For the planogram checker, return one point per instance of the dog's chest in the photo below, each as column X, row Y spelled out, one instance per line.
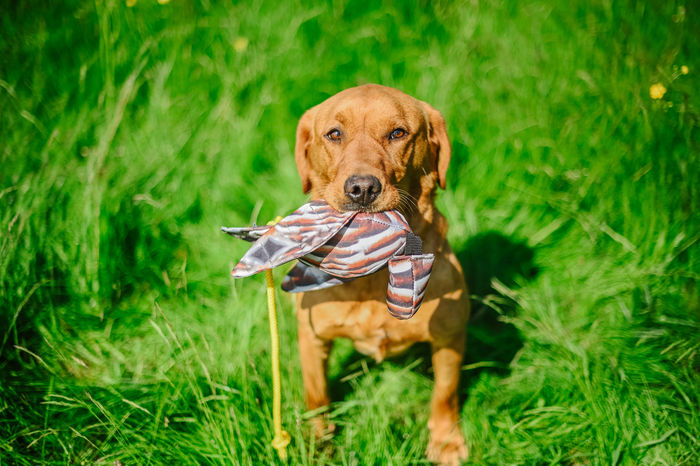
column 368, row 324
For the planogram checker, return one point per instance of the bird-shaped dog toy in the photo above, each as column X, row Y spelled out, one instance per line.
column 336, row 247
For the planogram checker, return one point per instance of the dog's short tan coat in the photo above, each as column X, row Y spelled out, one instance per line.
column 351, row 134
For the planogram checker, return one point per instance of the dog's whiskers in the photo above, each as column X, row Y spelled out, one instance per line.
column 407, row 201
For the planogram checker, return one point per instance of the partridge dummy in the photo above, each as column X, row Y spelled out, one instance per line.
column 336, row 247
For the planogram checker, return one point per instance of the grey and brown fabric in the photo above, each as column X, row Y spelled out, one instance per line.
column 335, row 247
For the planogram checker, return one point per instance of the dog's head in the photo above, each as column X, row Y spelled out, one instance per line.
column 372, row 148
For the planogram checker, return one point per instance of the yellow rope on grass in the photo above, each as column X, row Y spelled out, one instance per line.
column 281, row 439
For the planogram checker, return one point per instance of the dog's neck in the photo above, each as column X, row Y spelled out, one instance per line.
column 427, row 222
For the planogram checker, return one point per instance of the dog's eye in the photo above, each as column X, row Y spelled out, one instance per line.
column 398, row 133
column 334, row 135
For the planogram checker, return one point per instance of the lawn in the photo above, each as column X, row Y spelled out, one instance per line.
column 131, row 131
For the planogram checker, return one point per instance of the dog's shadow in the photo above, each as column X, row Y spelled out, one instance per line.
column 491, row 342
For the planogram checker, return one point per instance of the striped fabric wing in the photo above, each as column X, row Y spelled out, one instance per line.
column 362, row 246
column 300, row 233
column 304, row 277
column 408, row 280
column 249, row 234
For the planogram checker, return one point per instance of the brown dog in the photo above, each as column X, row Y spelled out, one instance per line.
column 374, row 148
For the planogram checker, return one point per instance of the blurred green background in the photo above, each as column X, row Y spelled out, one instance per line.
column 132, row 131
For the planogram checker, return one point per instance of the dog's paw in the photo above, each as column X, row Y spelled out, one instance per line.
column 322, row 429
column 448, row 452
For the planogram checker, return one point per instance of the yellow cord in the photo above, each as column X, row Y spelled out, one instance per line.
column 281, row 439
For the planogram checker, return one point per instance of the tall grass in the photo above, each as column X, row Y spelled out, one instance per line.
column 130, row 134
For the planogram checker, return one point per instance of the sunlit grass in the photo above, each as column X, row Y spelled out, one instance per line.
column 132, row 130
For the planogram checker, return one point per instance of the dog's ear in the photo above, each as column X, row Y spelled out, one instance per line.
column 439, row 142
column 304, row 138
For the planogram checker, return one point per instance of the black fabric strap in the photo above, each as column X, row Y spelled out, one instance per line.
column 414, row 245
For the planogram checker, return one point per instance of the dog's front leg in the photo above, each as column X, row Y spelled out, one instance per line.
column 314, row 353
column 446, row 444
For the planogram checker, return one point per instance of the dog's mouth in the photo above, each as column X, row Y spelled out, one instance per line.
column 387, row 201
column 355, row 207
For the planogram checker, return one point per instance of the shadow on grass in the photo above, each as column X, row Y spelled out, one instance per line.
column 491, row 343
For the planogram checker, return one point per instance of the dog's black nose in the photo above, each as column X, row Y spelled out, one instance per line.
column 362, row 189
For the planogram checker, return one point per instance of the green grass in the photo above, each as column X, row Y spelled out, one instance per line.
column 129, row 135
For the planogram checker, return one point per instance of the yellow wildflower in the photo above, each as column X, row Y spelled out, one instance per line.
column 684, row 69
column 657, row 91
column 163, row 2
column 240, row 44
column 130, row 3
